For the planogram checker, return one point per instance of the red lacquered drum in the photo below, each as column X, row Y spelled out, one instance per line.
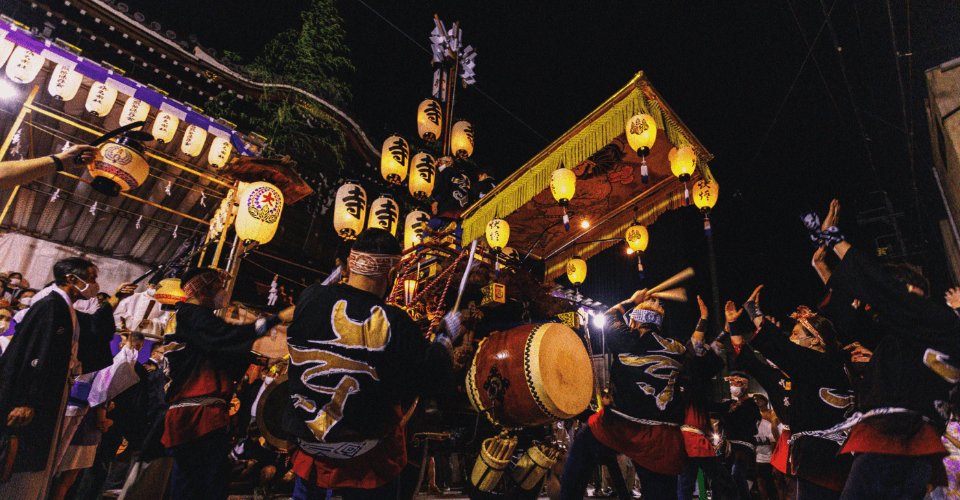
column 536, row 373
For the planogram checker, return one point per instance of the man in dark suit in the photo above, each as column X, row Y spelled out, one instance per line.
column 53, row 345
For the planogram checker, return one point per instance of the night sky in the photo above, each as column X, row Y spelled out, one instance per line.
column 785, row 139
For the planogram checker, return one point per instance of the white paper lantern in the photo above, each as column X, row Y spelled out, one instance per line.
column 64, row 83
column 100, row 99
column 413, row 227
column 24, row 65
column 6, row 48
column 349, row 211
column 384, row 214
column 165, row 127
column 423, row 175
column 193, row 140
column 220, row 150
column 260, row 207
column 134, row 110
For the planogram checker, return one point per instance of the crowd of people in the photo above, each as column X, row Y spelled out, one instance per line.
column 853, row 400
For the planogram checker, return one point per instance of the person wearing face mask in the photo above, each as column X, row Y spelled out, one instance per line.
column 207, row 356
column 140, row 312
column 26, row 298
column 54, row 346
column 740, row 418
column 372, row 358
column 6, row 316
column 822, row 393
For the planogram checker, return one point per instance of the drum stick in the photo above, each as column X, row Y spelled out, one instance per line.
column 466, row 274
column 675, row 295
column 673, row 281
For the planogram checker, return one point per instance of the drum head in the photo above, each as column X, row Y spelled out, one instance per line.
column 270, row 408
column 566, row 376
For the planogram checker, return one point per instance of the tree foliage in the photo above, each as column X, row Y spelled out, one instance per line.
column 311, row 58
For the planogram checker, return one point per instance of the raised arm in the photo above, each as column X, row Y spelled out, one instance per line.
column 15, row 173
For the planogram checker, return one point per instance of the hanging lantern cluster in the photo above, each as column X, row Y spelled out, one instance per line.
column 683, row 161
column 261, row 204
column 350, row 210
column 64, row 83
column 641, row 131
column 393, row 159
column 384, row 214
column 413, row 227
column 563, row 183
column 637, row 239
column 498, row 234
column 576, row 270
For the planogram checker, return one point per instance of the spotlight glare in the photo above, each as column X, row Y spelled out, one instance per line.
column 585, row 224
column 629, row 251
column 599, row 321
column 7, row 90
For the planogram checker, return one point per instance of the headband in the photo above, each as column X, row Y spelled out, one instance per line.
column 202, row 281
column 803, row 316
column 371, row 264
column 646, row 316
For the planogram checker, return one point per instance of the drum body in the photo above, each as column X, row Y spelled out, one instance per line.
column 531, row 375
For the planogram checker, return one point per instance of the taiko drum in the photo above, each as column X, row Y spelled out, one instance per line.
column 531, row 375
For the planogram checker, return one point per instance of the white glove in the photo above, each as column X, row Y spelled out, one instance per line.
column 451, row 329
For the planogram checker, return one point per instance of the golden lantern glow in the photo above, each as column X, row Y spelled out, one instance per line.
column 24, row 65
column 510, row 255
column 170, row 292
column 409, row 291
column 165, row 127
column 193, row 139
column 413, row 227
column 100, row 99
column 563, row 183
column 134, row 110
column 393, row 159
column 261, row 204
column 423, row 173
column 576, row 270
column 64, row 83
column 220, row 150
column 461, row 139
column 637, row 237
column 498, row 234
column 641, row 133
column 682, row 162
column 705, row 194
column 384, row 214
column 6, row 48
column 429, row 120
column 349, row 211
column 120, row 166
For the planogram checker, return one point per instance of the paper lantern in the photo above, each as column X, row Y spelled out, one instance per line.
column 682, row 162
column 170, row 292
column 100, row 99
column 261, row 204
column 576, row 270
column 413, row 227
column 498, row 234
column 64, row 83
column 349, row 211
column 423, row 172
column 393, row 159
column 429, row 120
column 461, row 139
column 409, row 291
column 637, row 237
column 165, row 127
column 510, row 255
column 641, row 133
column 6, row 48
column 193, row 139
column 563, row 183
column 384, row 214
column 24, row 65
column 134, row 110
column 120, row 166
column 705, row 194
column 220, row 150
